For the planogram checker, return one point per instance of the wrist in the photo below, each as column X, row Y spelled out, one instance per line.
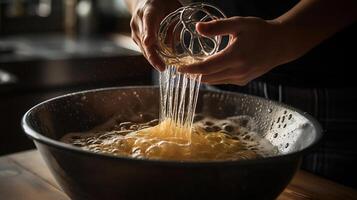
column 281, row 51
column 290, row 40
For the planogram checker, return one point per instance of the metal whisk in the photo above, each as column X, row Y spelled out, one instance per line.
column 179, row 42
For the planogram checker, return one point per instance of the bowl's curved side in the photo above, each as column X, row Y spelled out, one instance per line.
column 91, row 178
column 85, row 175
column 287, row 128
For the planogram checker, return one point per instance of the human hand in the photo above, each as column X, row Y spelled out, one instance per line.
column 256, row 47
column 145, row 21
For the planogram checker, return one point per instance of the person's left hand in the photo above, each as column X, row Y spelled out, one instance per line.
column 256, row 47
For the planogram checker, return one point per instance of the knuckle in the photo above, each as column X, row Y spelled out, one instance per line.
column 237, row 19
column 151, row 57
column 147, row 13
column 133, row 23
column 140, row 12
column 215, row 22
column 147, row 39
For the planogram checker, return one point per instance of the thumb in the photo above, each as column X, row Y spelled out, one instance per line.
column 218, row 27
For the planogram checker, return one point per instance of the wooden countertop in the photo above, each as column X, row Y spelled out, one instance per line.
column 24, row 176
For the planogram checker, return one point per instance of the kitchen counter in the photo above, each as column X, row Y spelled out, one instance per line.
column 55, row 61
column 34, row 68
column 59, row 47
column 24, row 176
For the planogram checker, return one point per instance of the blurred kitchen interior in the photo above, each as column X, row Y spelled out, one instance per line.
column 53, row 47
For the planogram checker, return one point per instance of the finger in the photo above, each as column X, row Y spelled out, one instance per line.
column 230, row 81
column 219, row 27
column 233, row 78
column 149, row 40
column 244, row 79
column 150, row 23
column 138, row 42
column 213, row 64
column 135, row 31
column 221, row 82
column 154, row 57
column 241, row 82
column 222, row 75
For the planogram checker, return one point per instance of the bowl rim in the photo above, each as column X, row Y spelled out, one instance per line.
column 37, row 137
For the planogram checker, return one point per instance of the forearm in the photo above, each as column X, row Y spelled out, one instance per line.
column 131, row 4
column 312, row 21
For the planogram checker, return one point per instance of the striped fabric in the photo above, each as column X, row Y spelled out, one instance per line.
column 336, row 109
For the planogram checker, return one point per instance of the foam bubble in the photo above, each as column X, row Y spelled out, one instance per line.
column 231, row 138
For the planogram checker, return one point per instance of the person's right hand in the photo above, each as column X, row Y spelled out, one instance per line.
column 145, row 21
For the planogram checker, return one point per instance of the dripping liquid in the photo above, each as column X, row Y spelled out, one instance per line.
column 178, row 134
column 178, row 99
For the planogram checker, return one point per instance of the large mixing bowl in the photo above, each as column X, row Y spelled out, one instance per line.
column 87, row 175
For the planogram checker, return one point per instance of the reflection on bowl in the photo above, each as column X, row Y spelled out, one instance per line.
column 87, row 175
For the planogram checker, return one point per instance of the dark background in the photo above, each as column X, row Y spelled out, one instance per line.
column 54, row 47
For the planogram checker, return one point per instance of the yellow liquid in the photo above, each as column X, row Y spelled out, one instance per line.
column 167, row 141
column 176, row 137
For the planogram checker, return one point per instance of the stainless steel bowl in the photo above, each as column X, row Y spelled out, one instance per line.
column 87, row 175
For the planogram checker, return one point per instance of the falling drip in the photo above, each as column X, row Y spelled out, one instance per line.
column 180, row 44
column 178, row 97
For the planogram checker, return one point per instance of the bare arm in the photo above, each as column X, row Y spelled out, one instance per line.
column 312, row 21
column 259, row 45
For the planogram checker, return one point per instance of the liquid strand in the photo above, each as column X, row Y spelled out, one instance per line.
column 178, row 99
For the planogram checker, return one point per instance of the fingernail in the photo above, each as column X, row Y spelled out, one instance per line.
column 200, row 25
